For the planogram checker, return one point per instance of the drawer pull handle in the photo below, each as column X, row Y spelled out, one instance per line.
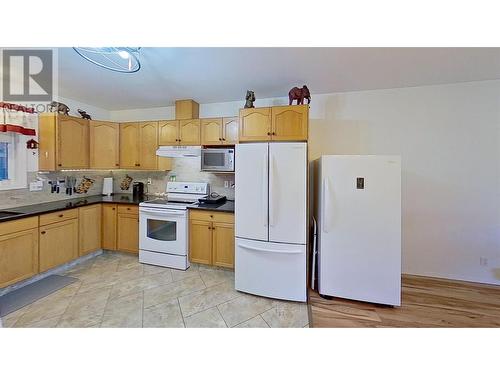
column 61, row 215
column 43, row 232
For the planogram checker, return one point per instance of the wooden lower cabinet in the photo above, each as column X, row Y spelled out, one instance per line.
column 200, row 241
column 18, row 255
column 109, row 222
column 211, row 238
column 223, row 245
column 58, row 243
column 128, row 229
column 90, row 228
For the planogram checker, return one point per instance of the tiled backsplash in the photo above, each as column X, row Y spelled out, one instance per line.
column 184, row 169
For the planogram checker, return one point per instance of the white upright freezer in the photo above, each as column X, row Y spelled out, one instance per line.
column 270, row 218
column 358, row 212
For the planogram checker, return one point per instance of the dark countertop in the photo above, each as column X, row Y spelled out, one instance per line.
column 66, row 204
column 227, row 206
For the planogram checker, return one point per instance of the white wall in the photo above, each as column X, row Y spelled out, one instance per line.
column 449, row 140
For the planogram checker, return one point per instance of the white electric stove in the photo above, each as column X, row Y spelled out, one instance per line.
column 163, row 225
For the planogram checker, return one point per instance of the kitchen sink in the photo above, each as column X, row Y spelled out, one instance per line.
column 8, row 213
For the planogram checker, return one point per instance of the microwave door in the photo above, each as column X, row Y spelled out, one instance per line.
column 213, row 160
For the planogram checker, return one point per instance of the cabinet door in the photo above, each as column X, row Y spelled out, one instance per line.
column 223, row 245
column 189, row 132
column 18, row 256
column 90, row 228
column 104, row 145
column 109, row 226
column 200, row 241
column 211, row 131
column 168, row 133
column 255, row 124
column 58, row 244
column 128, row 233
column 290, row 123
column 72, row 143
column 148, row 144
column 230, row 128
column 129, row 145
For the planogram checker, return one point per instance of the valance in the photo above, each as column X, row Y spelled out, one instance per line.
column 18, row 119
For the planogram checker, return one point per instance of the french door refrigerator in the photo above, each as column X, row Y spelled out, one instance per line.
column 271, row 219
column 358, row 213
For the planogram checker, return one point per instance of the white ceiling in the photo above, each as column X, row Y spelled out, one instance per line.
column 210, row 75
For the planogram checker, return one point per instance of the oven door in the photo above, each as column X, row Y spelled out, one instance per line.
column 163, row 231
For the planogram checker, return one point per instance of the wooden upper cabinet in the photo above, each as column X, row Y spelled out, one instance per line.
column 73, row 142
column 104, row 145
column 64, row 142
column 148, row 144
column 129, row 145
column 211, row 131
column 255, row 124
column 168, row 133
column 290, row 123
column 189, row 132
column 230, row 130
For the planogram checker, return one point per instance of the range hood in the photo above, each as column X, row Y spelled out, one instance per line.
column 178, row 151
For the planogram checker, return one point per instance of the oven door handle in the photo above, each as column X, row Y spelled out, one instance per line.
column 163, row 213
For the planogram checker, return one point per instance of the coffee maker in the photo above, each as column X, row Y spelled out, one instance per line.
column 138, row 190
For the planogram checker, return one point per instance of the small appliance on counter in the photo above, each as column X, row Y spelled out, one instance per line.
column 213, row 198
column 107, row 186
column 138, row 189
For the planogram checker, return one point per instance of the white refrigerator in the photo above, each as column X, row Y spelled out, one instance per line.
column 271, row 219
column 358, row 212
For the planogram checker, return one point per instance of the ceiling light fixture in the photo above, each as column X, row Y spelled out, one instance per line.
column 117, row 59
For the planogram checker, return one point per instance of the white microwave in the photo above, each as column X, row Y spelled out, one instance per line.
column 217, row 159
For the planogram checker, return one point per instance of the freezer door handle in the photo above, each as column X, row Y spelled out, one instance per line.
column 272, row 200
column 326, row 197
column 268, row 250
column 264, row 190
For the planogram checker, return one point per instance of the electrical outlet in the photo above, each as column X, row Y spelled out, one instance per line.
column 226, row 184
column 150, row 181
column 483, row 261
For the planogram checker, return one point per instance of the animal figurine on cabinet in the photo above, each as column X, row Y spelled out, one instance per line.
column 250, row 98
column 84, row 114
column 60, row 107
column 299, row 95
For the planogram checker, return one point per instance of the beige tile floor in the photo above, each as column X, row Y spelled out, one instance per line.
column 115, row 290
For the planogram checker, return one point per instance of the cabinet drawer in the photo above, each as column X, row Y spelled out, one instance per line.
column 18, row 225
column 128, row 209
column 56, row 217
column 219, row 217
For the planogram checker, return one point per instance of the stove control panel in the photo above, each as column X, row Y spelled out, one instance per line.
column 188, row 187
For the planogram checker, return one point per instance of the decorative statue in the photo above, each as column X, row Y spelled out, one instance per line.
column 250, row 99
column 299, row 95
column 61, row 107
column 84, row 114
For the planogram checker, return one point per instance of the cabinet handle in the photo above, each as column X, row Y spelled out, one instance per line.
column 268, row 133
column 59, row 165
column 113, row 208
column 274, row 133
column 223, row 139
column 61, row 215
column 43, row 232
column 117, row 165
column 220, row 139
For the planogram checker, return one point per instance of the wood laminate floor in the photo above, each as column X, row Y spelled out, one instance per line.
column 426, row 302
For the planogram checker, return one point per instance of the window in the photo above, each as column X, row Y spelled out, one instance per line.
column 4, row 161
column 13, row 161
